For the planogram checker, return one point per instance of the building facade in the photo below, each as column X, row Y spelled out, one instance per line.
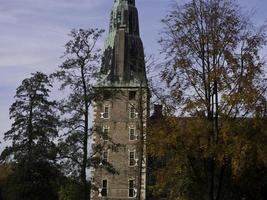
column 121, row 112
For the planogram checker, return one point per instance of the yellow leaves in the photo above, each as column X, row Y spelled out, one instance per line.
column 178, row 138
column 194, row 104
column 185, row 144
column 239, row 158
column 244, row 144
column 160, row 134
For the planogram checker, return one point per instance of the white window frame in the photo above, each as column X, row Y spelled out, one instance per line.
column 105, row 158
column 103, row 113
column 134, row 133
column 134, row 189
column 134, row 158
column 130, row 153
column 105, row 128
column 132, row 114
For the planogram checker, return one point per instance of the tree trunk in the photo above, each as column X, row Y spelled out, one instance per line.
column 85, row 138
column 141, row 142
column 30, row 137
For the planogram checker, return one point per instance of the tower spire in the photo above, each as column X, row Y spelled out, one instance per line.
column 123, row 60
column 124, row 15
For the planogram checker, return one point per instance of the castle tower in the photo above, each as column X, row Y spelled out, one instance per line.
column 120, row 115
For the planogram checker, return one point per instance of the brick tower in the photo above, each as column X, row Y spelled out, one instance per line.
column 120, row 115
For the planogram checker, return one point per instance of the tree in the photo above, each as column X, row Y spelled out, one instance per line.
column 5, row 172
column 78, row 73
column 33, row 131
column 70, row 191
column 215, row 76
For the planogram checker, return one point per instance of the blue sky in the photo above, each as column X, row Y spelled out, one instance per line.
column 33, row 34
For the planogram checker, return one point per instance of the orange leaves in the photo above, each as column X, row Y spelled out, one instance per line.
column 177, row 136
column 186, row 147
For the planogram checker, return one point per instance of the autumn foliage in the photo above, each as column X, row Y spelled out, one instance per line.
column 212, row 145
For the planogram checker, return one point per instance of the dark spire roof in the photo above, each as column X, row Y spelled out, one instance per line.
column 123, row 61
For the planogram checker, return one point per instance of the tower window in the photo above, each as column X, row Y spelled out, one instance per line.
column 132, row 191
column 105, row 158
column 105, row 114
column 132, row 161
column 132, row 134
column 132, row 112
column 104, row 191
column 105, row 133
column 132, row 95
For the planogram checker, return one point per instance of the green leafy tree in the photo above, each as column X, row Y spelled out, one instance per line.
column 32, row 133
column 78, row 73
column 215, row 77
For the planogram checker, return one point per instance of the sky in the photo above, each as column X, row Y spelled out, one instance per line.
column 33, row 34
